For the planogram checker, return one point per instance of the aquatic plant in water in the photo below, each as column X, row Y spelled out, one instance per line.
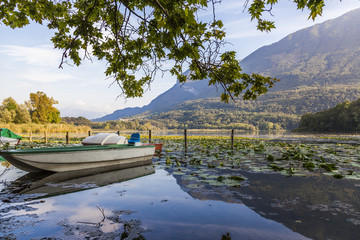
column 208, row 160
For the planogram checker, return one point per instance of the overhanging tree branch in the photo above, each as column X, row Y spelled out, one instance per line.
column 136, row 37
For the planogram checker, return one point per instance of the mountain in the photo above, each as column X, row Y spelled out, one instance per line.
column 78, row 112
column 272, row 111
column 326, row 55
column 179, row 93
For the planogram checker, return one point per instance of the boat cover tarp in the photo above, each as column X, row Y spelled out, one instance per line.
column 4, row 132
column 104, row 139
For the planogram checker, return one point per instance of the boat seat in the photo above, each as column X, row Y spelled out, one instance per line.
column 135, row 138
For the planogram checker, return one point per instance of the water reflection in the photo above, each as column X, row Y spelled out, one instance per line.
column 46, row 184
column 320, row 207
column 162, row 206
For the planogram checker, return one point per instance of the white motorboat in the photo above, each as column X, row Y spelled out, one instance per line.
column 7, row 137
column 61, row 159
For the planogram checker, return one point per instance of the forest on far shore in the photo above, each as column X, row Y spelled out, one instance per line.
column 344, row 117
column 273, row 112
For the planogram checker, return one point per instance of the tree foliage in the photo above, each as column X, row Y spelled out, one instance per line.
column 134, row 124
column 344, row 117
column 11, row 112
column 77, row 121
column 136, row 37
column 41, row 108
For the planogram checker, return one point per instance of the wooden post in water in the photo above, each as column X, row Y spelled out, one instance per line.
column 185, row 138
column 45, row 135
column 67, row 137
column 89, row 133
column 232, row 139
column 149, row 136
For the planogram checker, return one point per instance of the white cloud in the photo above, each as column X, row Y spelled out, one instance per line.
column 43, row 76
column 43, row 55
column 22, row 84
column 80, row 103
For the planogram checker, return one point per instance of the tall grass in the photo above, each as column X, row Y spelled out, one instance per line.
column 26, row 129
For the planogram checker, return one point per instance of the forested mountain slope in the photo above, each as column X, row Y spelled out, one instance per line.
column 275, row 110
column 344, row 117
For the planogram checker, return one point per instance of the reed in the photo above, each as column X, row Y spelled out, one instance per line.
column 33, row 128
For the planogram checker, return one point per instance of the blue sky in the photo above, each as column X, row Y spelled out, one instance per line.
column 29, row 63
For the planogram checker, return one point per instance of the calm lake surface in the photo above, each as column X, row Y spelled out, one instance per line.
column 164, row 202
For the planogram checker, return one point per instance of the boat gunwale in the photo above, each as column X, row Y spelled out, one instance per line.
column 72, row 149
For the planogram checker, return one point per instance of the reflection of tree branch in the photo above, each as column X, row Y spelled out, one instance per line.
column 99, row 223
column 3, row 173
column 102, row 212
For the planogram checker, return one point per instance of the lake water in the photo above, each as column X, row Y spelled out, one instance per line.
column 196, row 194
column 159, row 206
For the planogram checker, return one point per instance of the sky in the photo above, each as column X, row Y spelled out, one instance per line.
column 29, row 62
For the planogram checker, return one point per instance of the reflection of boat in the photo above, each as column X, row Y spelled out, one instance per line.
column 158, row 146
column 51, row 184
column 60, row 159
column 8, row 137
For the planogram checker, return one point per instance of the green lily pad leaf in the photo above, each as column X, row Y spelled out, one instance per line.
column 213, row 182
column 190, row 178
column 353, row 177
column 194, row 185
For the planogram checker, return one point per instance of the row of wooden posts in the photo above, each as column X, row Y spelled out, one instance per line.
column 67, row 138
column 118, row 132
column 186, row 142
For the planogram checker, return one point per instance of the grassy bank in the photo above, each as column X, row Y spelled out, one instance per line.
column 25, row 129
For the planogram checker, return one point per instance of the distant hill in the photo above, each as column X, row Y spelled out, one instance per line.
column 318, row 63
column 272, row 111
column 179, row 93
column 344, row 117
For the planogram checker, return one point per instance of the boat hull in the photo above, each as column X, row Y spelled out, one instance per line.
column 10, row 141
column 79, row 158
